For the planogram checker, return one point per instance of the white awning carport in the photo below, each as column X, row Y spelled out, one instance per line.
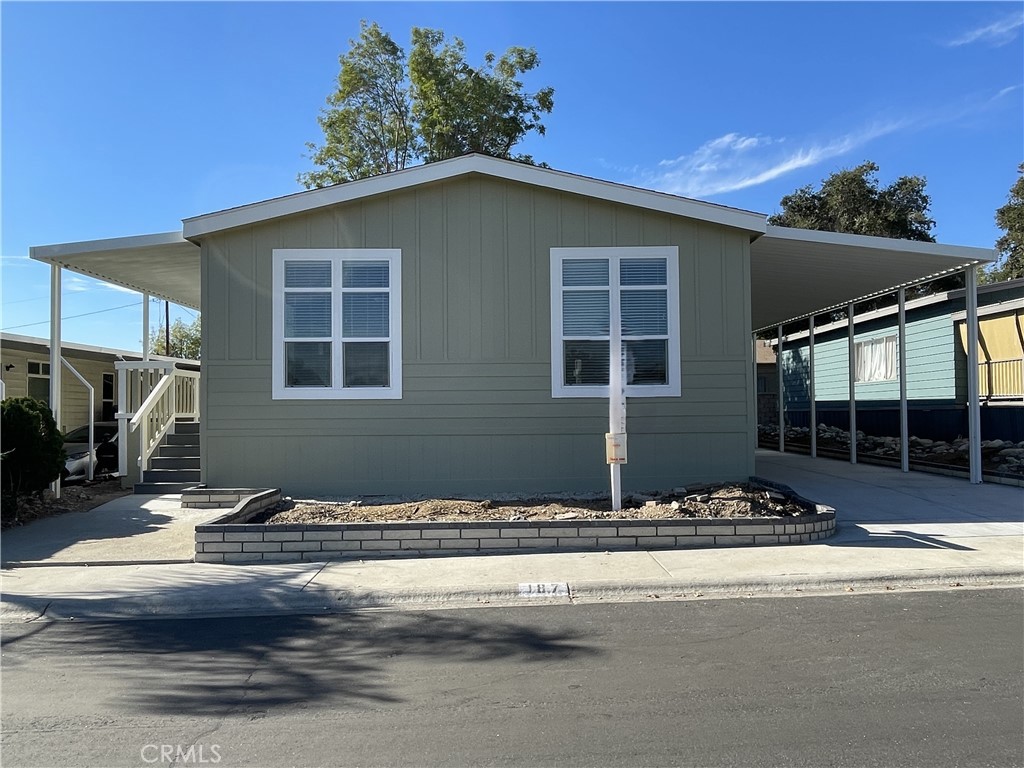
column 164, row 265
column 798, row 272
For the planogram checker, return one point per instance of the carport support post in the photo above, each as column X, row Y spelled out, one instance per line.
column 782, row 400
column 904, row 428
column 145, row 326
column 55, row 364
column 810, row 388
column 852, row 361
column 973, row 399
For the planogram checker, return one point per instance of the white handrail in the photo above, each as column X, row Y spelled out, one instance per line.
column 92, row 418
column 176, row 395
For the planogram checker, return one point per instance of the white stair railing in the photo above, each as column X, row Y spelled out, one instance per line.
column 151, row 397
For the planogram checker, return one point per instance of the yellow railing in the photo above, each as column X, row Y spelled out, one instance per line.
column 1001, row 378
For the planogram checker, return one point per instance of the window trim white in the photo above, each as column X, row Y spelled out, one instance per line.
column 337, row 391
column 43, row 376
column 614, row 254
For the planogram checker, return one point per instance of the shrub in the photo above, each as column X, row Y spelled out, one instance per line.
column 31, row 451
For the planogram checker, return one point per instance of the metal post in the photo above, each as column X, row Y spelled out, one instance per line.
column 973, row 399
column 852, row 361
column 55, row 344
column 145, row 326
column 810, row 389
column 904, row 428
column 782, row 387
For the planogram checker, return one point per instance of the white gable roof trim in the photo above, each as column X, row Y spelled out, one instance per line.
column 301, row 202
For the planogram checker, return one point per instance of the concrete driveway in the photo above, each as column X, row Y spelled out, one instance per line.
column 131, row 529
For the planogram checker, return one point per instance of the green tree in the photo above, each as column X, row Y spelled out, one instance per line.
column 1010, row 219
column 185, row 340
column 31, row 451
column 462, row 109
column 852, row 201
column 367, row 124
column 391, row 111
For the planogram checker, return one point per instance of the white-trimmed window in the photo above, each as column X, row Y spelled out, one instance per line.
column 337, row 323
column 636, row 288
column 875, row 360
column 39, row 380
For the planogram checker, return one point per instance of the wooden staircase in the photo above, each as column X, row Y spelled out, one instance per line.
column 175, row 465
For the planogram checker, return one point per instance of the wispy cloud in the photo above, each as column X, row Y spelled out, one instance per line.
column 998, row 33
column 79, row 284
column 734, row 161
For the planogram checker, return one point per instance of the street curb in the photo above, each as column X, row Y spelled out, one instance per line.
column 315, row 601
column 12, row 564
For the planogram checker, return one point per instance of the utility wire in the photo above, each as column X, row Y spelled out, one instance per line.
column 72, row 317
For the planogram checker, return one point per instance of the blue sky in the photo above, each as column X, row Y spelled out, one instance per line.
column 123, row 118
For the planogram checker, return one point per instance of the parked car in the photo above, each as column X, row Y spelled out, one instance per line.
column 76, row 445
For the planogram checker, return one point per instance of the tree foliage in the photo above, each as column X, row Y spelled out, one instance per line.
column 391, row 111
column 32, row 450
column 1010, row 219
column 185, row 340
column 852, row 201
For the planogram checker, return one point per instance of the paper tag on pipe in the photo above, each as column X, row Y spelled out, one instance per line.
column 615, row 447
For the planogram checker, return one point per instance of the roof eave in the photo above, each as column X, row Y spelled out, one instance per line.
column 301, row 202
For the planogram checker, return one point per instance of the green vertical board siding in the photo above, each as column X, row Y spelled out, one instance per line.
column 476, row 413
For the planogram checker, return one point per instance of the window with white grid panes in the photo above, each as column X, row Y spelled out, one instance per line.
column 337, row 324
column 640, row 287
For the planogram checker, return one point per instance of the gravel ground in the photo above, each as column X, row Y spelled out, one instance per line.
column 711, row 501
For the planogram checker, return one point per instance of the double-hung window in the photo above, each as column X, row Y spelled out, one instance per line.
column 594, row 289
column 337, row 323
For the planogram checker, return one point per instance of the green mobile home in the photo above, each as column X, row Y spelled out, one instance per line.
column 452, row 336
column 447, row 329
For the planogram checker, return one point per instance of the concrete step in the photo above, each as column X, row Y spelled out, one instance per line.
column 171, row 476
column 175, row 462
column 161, row 488
column 183, row 451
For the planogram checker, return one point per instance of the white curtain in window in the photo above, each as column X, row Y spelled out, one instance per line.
column 876, row 360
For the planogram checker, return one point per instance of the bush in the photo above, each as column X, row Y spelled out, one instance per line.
column 31, row 451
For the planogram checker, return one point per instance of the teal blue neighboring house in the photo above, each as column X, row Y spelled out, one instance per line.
column 936, row 367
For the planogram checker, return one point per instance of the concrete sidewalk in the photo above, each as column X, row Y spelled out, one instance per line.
column 896, row 531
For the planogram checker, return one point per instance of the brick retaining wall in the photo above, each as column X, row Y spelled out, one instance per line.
column 227, row 542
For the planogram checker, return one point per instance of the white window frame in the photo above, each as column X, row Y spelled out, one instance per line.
column 614, row 255
column 858, row 352
column 43, row 365
column 338, row 391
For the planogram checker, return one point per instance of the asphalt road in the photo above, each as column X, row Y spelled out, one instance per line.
column 898, row 679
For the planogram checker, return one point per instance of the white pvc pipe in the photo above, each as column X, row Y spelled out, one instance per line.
column 973, row 394
column 616, row 387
